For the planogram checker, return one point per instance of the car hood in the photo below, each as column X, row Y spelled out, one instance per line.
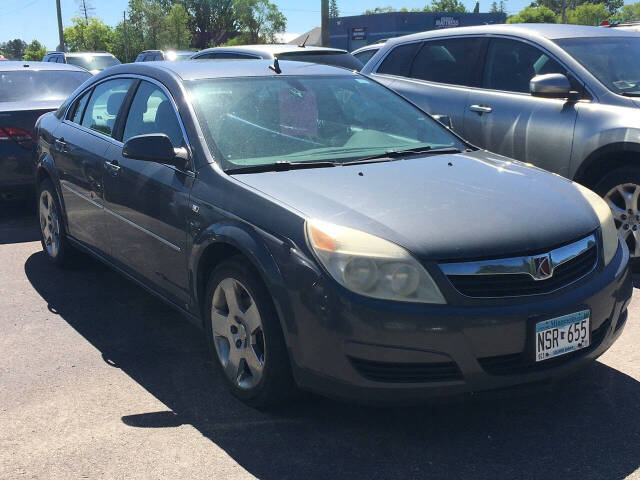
column 441, row 207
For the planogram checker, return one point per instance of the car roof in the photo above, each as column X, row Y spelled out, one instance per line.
column 37, row 66
column 191, row 70
column 551, row 31
column 82, row 54
column 270, row 50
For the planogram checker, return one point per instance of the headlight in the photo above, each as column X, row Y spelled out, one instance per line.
column 371, row 266
column 609, row 233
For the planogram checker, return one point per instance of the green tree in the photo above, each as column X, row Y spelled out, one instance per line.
column 35, row 51
column 388, row 9
column 177, row 33
column 211, row 21
column 14, row 49
column 628, row 13
column 260, row 20
column 93, row 35
column 534, row 15
column 333, row 9
column 556, row 5
column 588, row 14
column 449, row 6
column 498, row 7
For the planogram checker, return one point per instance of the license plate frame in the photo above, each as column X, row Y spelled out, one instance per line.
column 561, row 324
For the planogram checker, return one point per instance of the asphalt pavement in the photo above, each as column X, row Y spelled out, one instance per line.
column 98, row 379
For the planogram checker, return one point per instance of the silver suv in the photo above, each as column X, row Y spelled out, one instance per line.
column 564, row 98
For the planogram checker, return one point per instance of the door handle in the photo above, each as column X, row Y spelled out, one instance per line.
column 481, row 109
column 61, row 145
column 113, row 167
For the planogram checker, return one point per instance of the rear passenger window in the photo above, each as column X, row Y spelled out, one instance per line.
column 453, row 61
column 152, row 112
column 511, row 64
column 399, row 60
column 78, row 108
column 104, row 105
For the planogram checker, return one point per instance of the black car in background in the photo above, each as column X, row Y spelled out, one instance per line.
column 28, row 90
column 326, row 233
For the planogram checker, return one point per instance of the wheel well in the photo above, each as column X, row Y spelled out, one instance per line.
column 42, row 175
column 211, row 257
column 599, row 165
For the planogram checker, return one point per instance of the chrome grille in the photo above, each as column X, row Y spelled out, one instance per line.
column 513, row 277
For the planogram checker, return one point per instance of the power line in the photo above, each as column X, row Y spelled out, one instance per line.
column 21, row 7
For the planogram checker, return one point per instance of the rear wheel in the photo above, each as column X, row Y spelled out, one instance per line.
column 52, row 232
column 245, row 337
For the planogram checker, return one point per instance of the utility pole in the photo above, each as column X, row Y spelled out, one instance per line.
column 124, row 28
column 325, row 23
column 61, row 47
column 564, row 11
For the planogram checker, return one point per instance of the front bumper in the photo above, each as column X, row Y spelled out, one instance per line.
column 347, row 346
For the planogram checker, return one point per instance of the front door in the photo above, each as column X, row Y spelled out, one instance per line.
column 504, row 118
column 147, row 203
column 81, row 142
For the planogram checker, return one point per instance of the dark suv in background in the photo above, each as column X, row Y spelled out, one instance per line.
column 562, row 97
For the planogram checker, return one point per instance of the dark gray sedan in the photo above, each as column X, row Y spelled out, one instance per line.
column 28, row 90
column 326, row 233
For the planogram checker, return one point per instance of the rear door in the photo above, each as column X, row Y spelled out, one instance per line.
column 147, row 203
column 504, row 118
column 81, row 143
column 436, row 74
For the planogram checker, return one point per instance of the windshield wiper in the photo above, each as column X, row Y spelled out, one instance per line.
column 630, row 94
column 279, row 167
column 394, row 154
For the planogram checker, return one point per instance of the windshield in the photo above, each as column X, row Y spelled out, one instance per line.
column 91, row 62
column 615, row 61
column 264, row 120
column 38, row 86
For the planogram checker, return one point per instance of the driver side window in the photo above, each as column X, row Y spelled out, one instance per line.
column 511, row 65
column 152, row 112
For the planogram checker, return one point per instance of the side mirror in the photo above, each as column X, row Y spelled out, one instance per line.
column 552, row 85
column 155, row 147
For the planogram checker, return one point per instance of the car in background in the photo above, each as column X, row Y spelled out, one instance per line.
column 160, row 55
column 94, row 62
column 365, row 53
column 322, row 55
column 563, row 97
column 625, row 26
column 27, row 91
column 325, row 232
column 3, row 59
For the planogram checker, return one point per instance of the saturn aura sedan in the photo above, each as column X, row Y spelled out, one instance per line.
column 327, row 234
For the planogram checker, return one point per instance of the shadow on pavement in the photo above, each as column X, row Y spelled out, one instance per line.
column 588, row 427
column 18, row 222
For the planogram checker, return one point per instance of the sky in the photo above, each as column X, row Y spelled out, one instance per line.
column 36, row 19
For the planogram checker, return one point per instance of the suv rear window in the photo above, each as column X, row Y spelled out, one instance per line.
column 337, row 59
column 399, row 60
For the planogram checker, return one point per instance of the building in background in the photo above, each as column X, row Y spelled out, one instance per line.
column 357, row 31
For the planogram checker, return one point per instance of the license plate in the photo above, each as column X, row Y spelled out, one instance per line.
column 562, row 335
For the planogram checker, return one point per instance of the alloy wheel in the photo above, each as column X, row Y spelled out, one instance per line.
column 49, row 223
column 238, row 333
column 623, row 201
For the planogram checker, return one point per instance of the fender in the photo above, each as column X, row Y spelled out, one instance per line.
column 256, row 245
column 46, row 167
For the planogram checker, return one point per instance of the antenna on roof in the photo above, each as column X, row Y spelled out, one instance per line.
column 276, row 66
column 304, row 44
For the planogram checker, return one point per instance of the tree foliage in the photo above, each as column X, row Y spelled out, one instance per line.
column 588, row 14
column 628, row 13
column 258, row 20
column 14, row 49
column 556, row 5
column 93, row 35
column 534, row 15
column 177, row 33
column 334, row 12
column 35, row 51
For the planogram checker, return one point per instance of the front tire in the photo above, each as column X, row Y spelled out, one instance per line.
column 245, row 337
column 52, row 232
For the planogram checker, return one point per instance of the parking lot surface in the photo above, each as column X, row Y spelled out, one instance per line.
column 98, row 379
